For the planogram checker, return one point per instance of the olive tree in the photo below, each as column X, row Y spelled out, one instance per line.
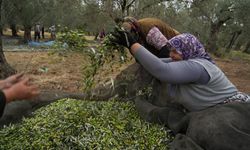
column 5, row 69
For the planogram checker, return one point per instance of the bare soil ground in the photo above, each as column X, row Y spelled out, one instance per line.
column 49, row 71
column 58, row 71
column 65, row 72
column 238, row 71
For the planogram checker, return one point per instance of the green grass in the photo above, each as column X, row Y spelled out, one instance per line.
column 238, row 55
column 72, row 124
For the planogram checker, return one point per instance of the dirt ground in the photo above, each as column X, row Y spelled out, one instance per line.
column 238, row 71
column 58, row 71
column 49, row 71
column 65, row 72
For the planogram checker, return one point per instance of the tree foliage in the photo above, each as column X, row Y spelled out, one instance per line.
column 218, row 23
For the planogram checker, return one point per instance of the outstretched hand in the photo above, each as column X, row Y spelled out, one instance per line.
column 21, row 89
column 8, row 82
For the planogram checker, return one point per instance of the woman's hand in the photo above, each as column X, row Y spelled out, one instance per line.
column 22, row 89
column 8, row 82
column 123, row 38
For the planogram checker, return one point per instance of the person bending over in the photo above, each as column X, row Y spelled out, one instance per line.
column 140, row 30
column 212, row 104
column 134, row 77
column 194, row 79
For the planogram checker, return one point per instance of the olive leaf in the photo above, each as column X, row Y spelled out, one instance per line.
column 74, row 124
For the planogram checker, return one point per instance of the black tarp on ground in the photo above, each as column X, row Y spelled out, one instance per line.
column 222, row 127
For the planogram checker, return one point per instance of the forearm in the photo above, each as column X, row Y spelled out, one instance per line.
column 152, row 64
column 179, row 72
column 166, row 60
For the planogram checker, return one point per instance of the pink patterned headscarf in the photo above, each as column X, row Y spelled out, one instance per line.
column 156, row 38
column 189, row 46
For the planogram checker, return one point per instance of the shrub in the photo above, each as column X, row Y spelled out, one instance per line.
column 72, row 124
column 238, row 55
column 72, row 39
column 106, row 52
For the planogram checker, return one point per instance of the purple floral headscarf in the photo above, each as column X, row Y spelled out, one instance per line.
column 189, row 46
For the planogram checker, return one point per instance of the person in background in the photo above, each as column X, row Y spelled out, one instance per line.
column 53, row 32
column 102, row 34
column 37, row 31
column 16, row 87
column 43, row 32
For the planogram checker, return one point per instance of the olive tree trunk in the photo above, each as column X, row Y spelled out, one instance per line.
column 27, row 33
column 5, row 69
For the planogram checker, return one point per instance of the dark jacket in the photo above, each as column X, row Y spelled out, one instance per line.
column 2, row 102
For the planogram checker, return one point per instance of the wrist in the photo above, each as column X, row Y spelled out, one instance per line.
column 9, row 95
column 3, row 99
column 134, row 47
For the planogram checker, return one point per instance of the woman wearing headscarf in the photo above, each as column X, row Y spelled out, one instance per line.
column 134, row 77
column 140, row 29
column 215, row 112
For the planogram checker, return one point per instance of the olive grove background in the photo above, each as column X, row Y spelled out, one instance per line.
column 219, row 23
